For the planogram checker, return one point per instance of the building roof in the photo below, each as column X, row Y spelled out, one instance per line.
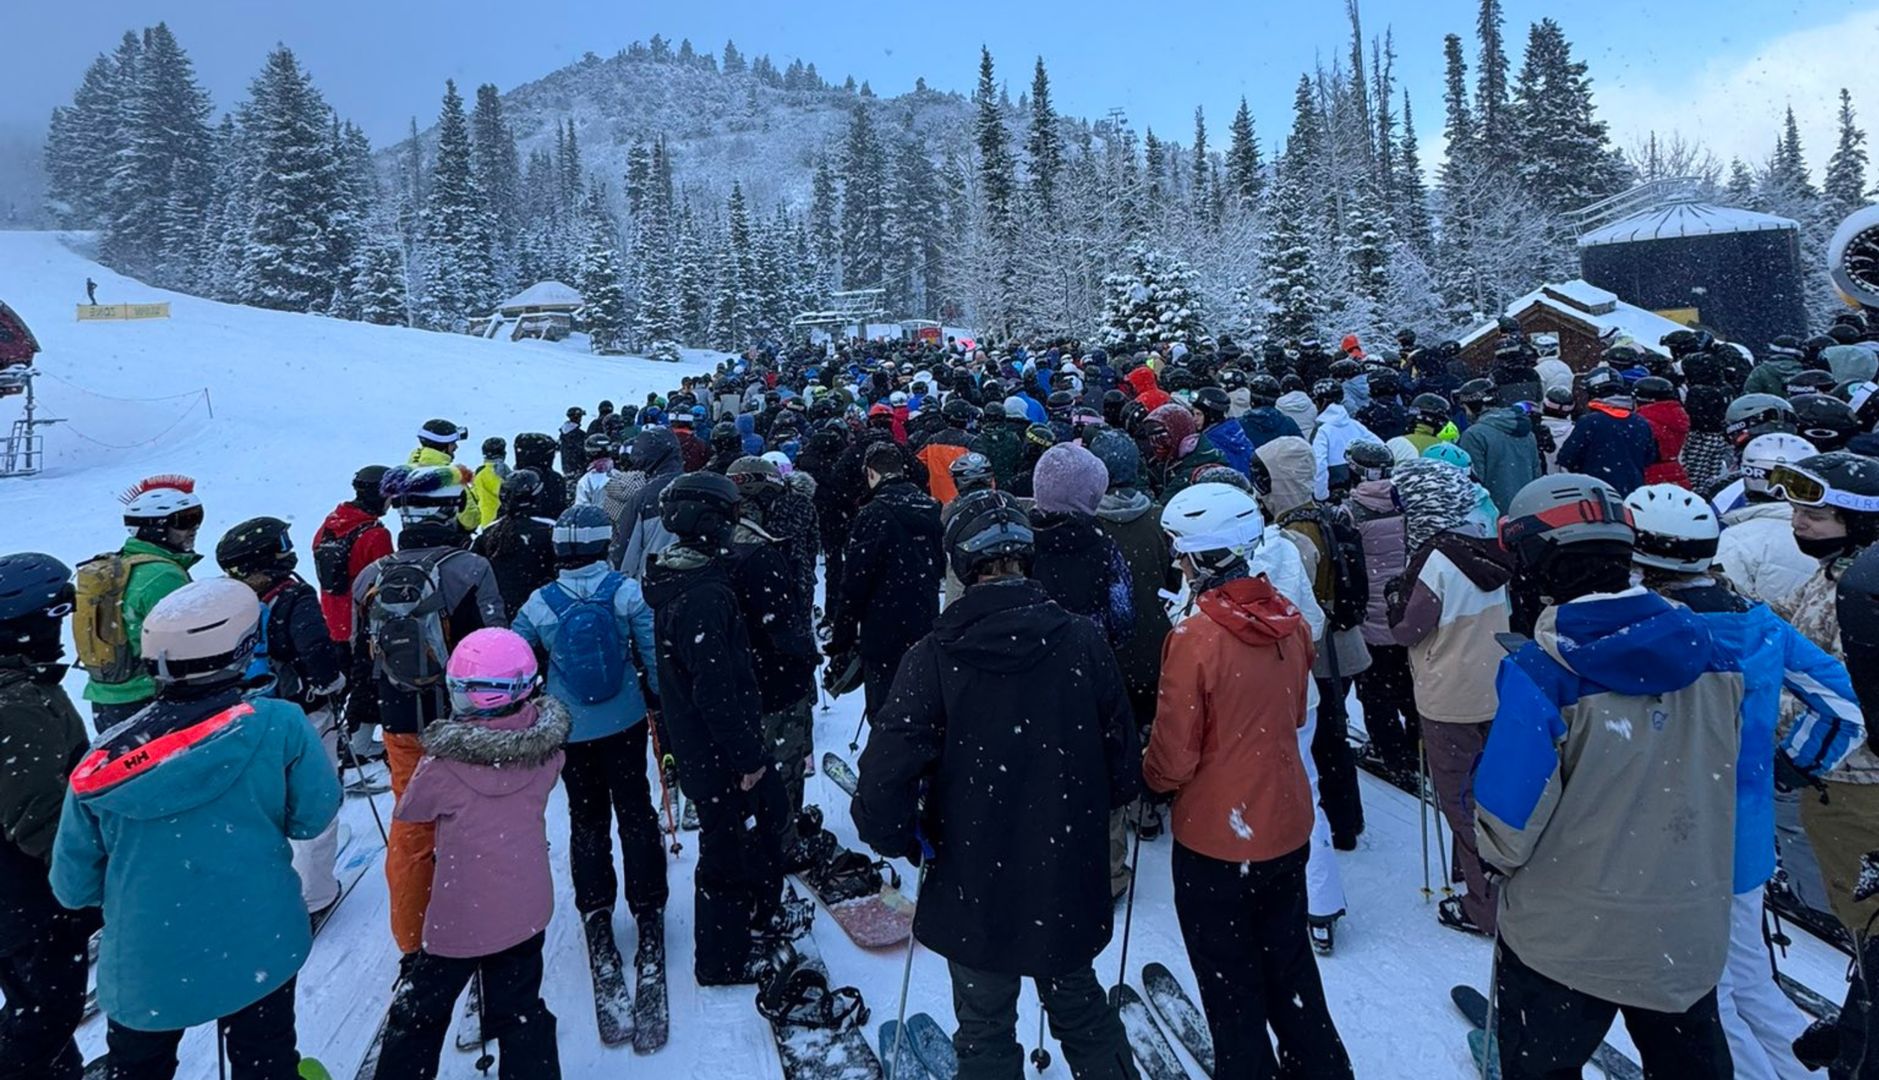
column 544, row 294
column 1684, row 219
column 1599, row 310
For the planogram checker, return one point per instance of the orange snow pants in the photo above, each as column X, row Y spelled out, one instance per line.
column 409, row 858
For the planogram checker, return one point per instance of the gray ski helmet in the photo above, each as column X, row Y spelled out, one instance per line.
column 1369, row 461
column 1566, row 510
column 1558, row 401
column 1757, row 414
column 985, row 526
column 582, row 533
column 1603, row 382
column 756, row 479
column 1476, row 393
column 971, row 472
column 597, row 446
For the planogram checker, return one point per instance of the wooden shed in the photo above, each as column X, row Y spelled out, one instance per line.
column 1586, row 319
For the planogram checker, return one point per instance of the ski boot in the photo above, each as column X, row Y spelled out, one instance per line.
column 1148, row 826
column 1450, row 913
column 1323, row 931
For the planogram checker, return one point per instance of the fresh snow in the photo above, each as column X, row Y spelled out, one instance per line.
column 1641, row 327
column 301, row 401
column 1685, row 219
column 542, row 294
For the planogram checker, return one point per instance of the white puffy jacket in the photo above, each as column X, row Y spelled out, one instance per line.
column 1757, row 553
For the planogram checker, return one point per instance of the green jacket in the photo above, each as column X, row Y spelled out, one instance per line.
column 149, row 582
column 1003, row 447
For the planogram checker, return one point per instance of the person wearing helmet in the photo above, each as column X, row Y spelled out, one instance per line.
column 1782, row 360
column 1037, row 439
column 693, row 451
column 890, row 572
column 350, row 539
column 777, row 603
column 206, row 785
column 1036, row 689
column 301, row 664
column 487, row 484
column 1239, row 669
column 1677, row 541
column 1610, row 441
column 596, row 486
column 600, row 418
column 711, row 721
column 487, row 773
column 1383, row 413
column 1431, row 423
column 657, row 460
column 952, row 441
column 1825, row 421
column 1080, row 568
column 535, row 450
column 1660, row 407
column 608, row 693
column 1556, row 418
column 1263, row 422
column 1621, row 710
column 409, row 609
column 1500, row 440
column 42, row 943
column 163, row 515
column 519, row 544
column 1222, row 431
column 571, row 437
column 727, row 445
column 437, row 446
column 1757, row 553
column 1175, row 448
column 1000, row 440
column 1385, row 688
column 1448, row 610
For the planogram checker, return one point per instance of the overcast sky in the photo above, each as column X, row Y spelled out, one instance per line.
column 1721, row 71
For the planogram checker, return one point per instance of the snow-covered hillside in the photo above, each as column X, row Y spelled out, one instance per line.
column 299, row 402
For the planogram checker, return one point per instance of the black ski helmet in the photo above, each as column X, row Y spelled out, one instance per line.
column 1264, row 389
column 1370, row 461
column 36, row 594
column 1326, row 392
column 1432, row 408
column 1213, row 403
column 1654, row 388
column 495, row 447
column 597, row 446
column 365, row 489
column 520, row 491
column 700, row 508
column 535, row 448
column 959, row 412
column 1825, row 421
column 1476, row 393
column 258, row 545
column 441, row 434
column 1604, row 382
column 985, row 526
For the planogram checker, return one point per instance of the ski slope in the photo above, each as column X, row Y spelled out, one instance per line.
column 299, row 402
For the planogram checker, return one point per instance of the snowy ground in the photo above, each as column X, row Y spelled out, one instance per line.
column 300, row 402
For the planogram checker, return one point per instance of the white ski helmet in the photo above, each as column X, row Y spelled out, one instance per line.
column 1212, row 519
column 168, row 501
column 1764, row 452
column 203, row 632
column 1677, row 529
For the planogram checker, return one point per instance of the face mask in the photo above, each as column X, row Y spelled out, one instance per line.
column 1822, row 547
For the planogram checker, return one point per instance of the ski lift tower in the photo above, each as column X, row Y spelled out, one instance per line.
column 856, row 307
column 24, row 451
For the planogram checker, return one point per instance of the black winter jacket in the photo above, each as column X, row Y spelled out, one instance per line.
column 711, row 709
column 521, row 550
column 1012, row 712
column 776, row 618
column 891, row 573
column 44, row 740
column 1084, row 571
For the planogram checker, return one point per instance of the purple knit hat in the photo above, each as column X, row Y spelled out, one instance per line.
column 1069, row 480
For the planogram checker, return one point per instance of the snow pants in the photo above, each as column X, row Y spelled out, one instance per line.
column 1244, row 925
column 1796, row 851
column 410, row 857
column 1454, row 750
column 1388, row 695
column 790, row 734
column 1337, row 765
column 313, row 859
column 260, row 1041
column 1548, row 1031
column 607, row 785
column 1324, row 884
column 514, row 1016
column 740, row 871
column 1758, row 1018
column 44, row 987
column 1081, row 1019
column 1843, row 826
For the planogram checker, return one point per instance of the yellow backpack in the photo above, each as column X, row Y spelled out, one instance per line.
column 105, row 650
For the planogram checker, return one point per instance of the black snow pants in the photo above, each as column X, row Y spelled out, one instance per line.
column 260, row 1041
column 607, row 783
column 514, row 1016
column 44, row 986
column 740, row 873
column 1081, row 1018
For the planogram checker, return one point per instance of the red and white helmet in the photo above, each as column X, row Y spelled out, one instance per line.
column 490, row 673
column 168, row 500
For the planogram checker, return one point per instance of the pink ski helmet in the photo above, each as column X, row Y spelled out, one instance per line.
column 490, row 673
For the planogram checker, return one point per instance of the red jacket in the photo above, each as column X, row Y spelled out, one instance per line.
column 372, row 543
column 1671, row 424
column 1225, row 740
column 1148, row 391
column 692, row 449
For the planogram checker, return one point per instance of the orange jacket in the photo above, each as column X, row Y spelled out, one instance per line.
column 1225, row 740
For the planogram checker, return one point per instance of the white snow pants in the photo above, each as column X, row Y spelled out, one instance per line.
column 314, row 859
column 1758, row 1018
column 1324, row 886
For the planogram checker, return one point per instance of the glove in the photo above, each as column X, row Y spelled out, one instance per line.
column 1788, row 775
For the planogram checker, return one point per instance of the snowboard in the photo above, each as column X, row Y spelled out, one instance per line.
column 932, row 1046
column 1814, row 1004
column 651, row 1015
column 819, row 1054
column 1487, row 1056
column 1156, row 1058
column 368, row 1065
column 1368, row 761
column 1608, row 1059
column 613, row 1008
column 881, row 921
column 1783, row 904
column 842, row 773
column 907, row 1067
column 351, row 865
column 470, row 1016
column 1178, row 1015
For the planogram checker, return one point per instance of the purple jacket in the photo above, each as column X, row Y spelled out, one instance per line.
column 1379, row 521
column 485, row 782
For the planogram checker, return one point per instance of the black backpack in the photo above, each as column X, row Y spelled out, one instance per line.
column 407, row 622
column 332, row 560
column 1341, row 543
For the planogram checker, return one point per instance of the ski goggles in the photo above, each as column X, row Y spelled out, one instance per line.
column 1585, row 519
column 1803, row 488
column 488, row 696
column 189, row 517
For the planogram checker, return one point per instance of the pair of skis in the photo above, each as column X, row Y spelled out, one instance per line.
column 641, row 1018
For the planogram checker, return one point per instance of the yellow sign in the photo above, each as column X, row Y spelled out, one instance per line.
column 1688, row 316
column 122, row 312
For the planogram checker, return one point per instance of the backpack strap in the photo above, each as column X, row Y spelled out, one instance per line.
column 609, row 587
column 557, row 598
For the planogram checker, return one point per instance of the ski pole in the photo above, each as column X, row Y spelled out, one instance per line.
column 1040, row 1057
column 854, row 744
column 221, row 1050
column 371, row 801
column 1128, row 915
column 906, row 970
column 484, row 1058
column 1422, row 801
column 1443, row 850
column 1493, row 1043
column 665, row 787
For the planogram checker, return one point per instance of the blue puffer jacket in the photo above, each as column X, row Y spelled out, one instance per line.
column 1229, row 437
column 178, row 827
column 1264, row 424
column 538, row 624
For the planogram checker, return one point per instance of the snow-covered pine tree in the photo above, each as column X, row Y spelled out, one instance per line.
column 459, row 280
column 1246, row 173
column 161, row 177
column 1741, row 186
column 224, row 242
column 379, row 282
column 1200, row 199
column 1294, row 295
column 733, row 63
column 1845, row 185
column 691, row 282
column 1043, row 146
column 81, row 146
column 863, row 220
column 498, row 172
column 1787, row 190
column 656, row 317
column 1492, row 109
column 825, row 238
column 1154, row 180
column 997, row 178
column 1152, row 301
column 287, row 263
column 604, row 313
column 1412, row 196
column 355, row 199
column 1561, row 151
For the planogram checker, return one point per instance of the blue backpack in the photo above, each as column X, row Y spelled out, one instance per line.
column 588, row 651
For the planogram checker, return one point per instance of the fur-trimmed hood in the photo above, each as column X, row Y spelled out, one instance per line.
column 801, row 483
column 525, row 739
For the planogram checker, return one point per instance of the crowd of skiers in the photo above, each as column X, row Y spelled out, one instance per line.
column 1604, row 620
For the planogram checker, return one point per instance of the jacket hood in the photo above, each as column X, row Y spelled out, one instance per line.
column 1615, row 409
column 181, row 767
column 676, row 571
column 1376, row 496
column 1297, row 405
column 1003, row 626
column 583, row 580
column 508, row 747
column 1634, row 642
column 347, row 517
column 1773, row 510
column 184, row 559
column 914, row 509
column 1251, row 610
column 1124, row 505
column 656, row 452
column 1142, row 379
column 1486, row 564
column 1509, row 422
column 1288, row 460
